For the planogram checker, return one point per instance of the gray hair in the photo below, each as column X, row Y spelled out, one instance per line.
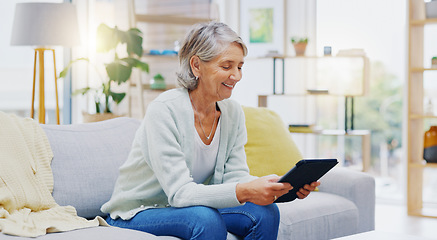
column 207, row 41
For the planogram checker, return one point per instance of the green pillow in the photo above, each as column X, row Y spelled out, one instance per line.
column 270, row 148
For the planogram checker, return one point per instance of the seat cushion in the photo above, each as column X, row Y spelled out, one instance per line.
column 270, row 148
column 319, row 216
column 107, row 233
column 86, row 161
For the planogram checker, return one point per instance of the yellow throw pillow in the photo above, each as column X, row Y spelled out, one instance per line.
column 270, row 148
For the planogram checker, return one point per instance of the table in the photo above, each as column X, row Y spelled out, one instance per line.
column 365, row 141
column 378, row 235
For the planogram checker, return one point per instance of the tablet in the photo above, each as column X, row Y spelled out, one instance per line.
column 306, row 171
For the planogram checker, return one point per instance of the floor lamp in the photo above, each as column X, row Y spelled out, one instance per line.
column 43, row 25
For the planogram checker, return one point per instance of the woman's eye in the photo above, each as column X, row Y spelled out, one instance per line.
column 226, row 67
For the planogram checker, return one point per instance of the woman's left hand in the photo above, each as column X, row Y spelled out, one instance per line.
column 305, row 191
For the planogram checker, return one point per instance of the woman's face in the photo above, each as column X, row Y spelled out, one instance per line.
column 219, row 76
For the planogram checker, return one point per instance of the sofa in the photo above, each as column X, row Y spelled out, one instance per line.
column 85, row 167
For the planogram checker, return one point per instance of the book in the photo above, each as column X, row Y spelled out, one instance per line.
column 303, row 128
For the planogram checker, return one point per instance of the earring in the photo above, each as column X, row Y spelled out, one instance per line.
column 197, row 78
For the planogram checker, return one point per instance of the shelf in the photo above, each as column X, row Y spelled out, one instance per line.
column 421, row 22
column 169, row 19
column 415, row 95
column 334, row 132
column 423, row 165
column 146, row 86
column 418, row 116
column 423, row 69
column 414, row 133
column 307, row 57
column 365, row 140
column 163, row 56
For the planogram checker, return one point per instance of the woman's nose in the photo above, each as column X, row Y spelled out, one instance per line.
column 236, row 75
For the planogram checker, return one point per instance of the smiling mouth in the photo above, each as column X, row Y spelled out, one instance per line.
column 227, row 85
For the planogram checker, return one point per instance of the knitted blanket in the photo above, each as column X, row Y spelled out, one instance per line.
column 27, row 207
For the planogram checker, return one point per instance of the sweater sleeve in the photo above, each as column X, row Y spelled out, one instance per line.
column 164, row 141
column 236, row 168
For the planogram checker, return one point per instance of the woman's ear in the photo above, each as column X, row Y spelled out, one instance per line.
column 195, row 65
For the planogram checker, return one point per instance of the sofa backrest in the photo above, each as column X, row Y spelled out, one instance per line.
column 86, row 161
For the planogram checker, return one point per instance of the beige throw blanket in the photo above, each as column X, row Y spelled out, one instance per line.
column 27, row 207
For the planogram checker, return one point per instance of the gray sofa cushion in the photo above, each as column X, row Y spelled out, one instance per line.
column 95, row 233
column 319, row 216
column 84, row 171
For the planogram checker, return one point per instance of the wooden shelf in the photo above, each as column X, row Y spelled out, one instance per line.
column 415, row 131
column 423, row 165
column 307, row 57
column 365, row 141
column 169, row 19
column 422, row 22
column 418, row 116
column 423, row 69
column 163, row 56
column 146, row 86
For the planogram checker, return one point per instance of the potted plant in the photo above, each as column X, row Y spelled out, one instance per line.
column 157, row 82
column 300, row 45
column 117, row 71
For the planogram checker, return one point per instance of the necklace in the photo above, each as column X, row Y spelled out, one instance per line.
column 200, row 122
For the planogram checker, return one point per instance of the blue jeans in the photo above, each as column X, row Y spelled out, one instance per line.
column 250, row 221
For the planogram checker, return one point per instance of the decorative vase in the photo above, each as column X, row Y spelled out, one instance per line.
column 97, row 117
column 430, row 145
column 300, row 48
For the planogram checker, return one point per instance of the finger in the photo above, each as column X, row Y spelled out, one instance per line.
column 304, row 191
column 280, row 193
column 272, row 178
column 281, row 186
column 300, row 195
column 315, row 184
column 309, row 187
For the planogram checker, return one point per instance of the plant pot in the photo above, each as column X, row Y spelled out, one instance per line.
column 430, row 145
column 300, row 48
column 97, row 117
column 157, row 84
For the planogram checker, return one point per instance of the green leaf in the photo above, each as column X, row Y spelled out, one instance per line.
column 133, row 62
column 133, row 40
column 158, row 77
column 82, row 91
column 107, row 38
column 118, row 72
column 97, row 104
column 117, row 97
column 64, row 71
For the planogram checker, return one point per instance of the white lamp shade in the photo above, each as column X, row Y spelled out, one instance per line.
column 45, row 24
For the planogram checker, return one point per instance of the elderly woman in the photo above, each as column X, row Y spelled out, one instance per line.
column 186, row 175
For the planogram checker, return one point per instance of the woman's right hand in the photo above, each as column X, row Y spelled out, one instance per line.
column 262, row 191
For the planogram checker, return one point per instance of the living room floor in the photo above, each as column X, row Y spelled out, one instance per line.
column 392, row 217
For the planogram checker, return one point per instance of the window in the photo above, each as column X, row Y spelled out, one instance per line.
column 383, row 39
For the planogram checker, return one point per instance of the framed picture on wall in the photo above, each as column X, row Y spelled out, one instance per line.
column 262, row 26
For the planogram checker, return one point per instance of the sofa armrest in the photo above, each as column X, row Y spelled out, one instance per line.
column 356, row 186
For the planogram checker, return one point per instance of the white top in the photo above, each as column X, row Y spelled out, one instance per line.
column 205, row 156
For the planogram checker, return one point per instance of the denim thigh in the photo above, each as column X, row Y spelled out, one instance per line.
column 252, row 221
column 196, row 222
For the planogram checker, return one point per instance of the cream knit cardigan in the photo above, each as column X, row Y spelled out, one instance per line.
column 27, row 207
